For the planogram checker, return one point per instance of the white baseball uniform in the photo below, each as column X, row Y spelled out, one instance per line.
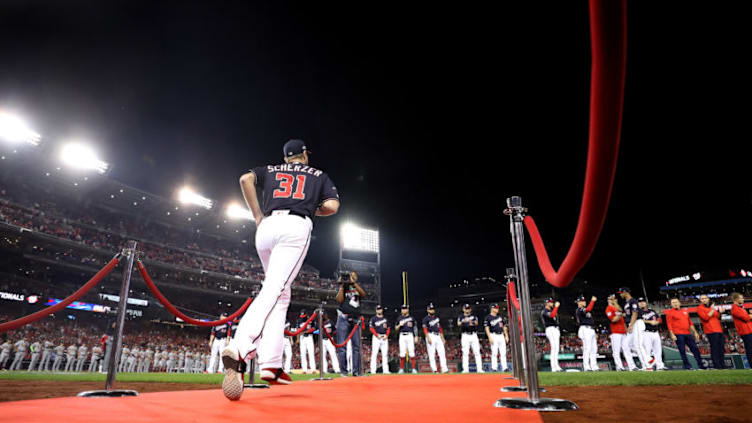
column 432, row 330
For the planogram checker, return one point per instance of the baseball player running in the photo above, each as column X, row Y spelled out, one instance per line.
column 5, row 350
column 46, row 355
column 635, row 326
column 36, row 350
column 434, row 339
column 619, row 335
column 550, row 318
column 468, row 324
column 380, row 340
column 498, row 336
column 651, row 337
column 586, row 333
column 293, row 193
column 406, row 326
column 217, row 343
column 305, row 339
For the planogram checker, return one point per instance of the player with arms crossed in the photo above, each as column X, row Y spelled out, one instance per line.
column 434, row 339
column 468, row 324
column 293, row 193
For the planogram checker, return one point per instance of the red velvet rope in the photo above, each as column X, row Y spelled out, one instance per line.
column 13, row 324
column 336, row 345
column 511, row 291
column 302, row 328
column 608, row 26
column 177, row 312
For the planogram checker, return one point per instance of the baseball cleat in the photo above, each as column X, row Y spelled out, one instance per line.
column 401, row 371
column 415, row 371
column 232, row 384
column 275, row 376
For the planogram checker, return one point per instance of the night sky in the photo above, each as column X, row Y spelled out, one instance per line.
column 426, row 117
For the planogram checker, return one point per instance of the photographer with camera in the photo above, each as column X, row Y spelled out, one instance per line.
column 348, row 315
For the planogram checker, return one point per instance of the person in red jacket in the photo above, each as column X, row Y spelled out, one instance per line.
column 710, row 318
column 679, row 327
column 743, row 323
column 619, row 342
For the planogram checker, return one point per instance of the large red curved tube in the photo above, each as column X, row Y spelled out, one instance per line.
column 608, row 28
column 13, row 324
column 177, row 312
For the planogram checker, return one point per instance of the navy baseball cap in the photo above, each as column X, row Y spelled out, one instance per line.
column 580, row 298
column 464, row 306
column 294, row 147
column 430, row 306
column 379, row 307
column 612, row 296
column 224, row 314
column 641, row 300
column 494, row 306
column 404, row 306
column 302, row 312
column 623, row 289
column 549, row 300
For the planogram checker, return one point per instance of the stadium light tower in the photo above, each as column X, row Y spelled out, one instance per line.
column 81, row 156
column 187, row 196
column 360, row 251
column 236, row 211
column 14, row 130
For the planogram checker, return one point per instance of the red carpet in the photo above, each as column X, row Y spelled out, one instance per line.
column 383, row 399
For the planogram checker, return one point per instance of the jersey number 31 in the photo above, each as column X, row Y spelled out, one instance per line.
column 285, row 186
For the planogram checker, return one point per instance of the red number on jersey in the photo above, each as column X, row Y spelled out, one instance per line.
column 285, row 186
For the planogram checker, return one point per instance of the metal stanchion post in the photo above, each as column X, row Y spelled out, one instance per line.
column 129, row 253
column 252, row 377
column 321, row 345
column 517, row 349
column 533, row 400
column 511, row 329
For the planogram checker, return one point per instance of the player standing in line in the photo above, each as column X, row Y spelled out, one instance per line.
column 742, row 323
column 468, row 324
column 44, row 365
column 619, row 335
column 217, row 343
column 635, row 326
column 550, row 318
column 5, row 349
column 305, row 339
column 287, row 349
column 59, row 352
column 380, row 340
column 132, row 359
column 498, row 336
column 181, row 360
column 710, row 317
column 124, row 357
column 406, row 326
column 586, row 333
column 651, row 338
column 148, row 357
column 328, row 346
column 96, row 353
column 171, row 361
column 36, row 350
column 293, row 193
column 20, row 348
column 83, row 351
column 70, row 357
column 434, row 339
column 189, row 357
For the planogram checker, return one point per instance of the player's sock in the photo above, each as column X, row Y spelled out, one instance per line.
column 402, row 363
column 412, row 362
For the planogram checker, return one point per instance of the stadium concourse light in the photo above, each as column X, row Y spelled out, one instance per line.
column 188, row 196
column 359, row 239
column 15, row 131
column 81, row 156
column 236, row 211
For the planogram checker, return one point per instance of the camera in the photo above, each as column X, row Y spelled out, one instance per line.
column 344, row 276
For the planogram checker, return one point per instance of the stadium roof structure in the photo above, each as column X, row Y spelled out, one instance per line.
column 708, row 284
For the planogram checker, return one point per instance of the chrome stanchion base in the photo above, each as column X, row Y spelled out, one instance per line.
column 519, row 389
column 109, row 394
column 543, row 404
column 255, row 386
column 322, row 378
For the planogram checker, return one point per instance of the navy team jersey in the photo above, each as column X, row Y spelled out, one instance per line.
column 547, row 319
column 407, row 322
column 293, row 186
column 287, row 328
column 630, row 307
column 379, row 324
column 494, row 323
column 301, row 321
column 432, row 324
column 468, row 324
column 584, row 317
column 220, row 332
column 648, row 315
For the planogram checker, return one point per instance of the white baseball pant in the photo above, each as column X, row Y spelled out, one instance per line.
column 286, row 352
column 306, row 349
column 34, row 359
column 436, row 346
column 282, row 242
column 554, row 336
column 638, row 343
column 498, row 348
column 332, row 353
column 45, row 363
column 470, row 340
column 376, row 346
column 589, row 348
column 216, row 350
column 406, row 344
column 653, row 347
column 620, row 345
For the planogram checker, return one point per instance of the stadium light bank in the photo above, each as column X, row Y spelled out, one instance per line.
column 14, row 130
column 81, row 156
column 187, row 196
column 236, row 211
column 356, row 238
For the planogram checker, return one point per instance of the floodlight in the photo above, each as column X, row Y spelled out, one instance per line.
column 356, row 238
column 15, row 131
column 81, row 156
column 236, row 211
column 188, row 196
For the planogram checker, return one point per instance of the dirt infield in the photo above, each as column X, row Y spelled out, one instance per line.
column 635, row 404
column 16, row 390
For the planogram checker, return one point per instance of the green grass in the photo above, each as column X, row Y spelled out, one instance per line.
column 209, row 379
column 674, row 377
